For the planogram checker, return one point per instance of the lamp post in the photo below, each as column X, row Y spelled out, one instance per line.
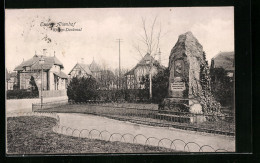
column 41, row 62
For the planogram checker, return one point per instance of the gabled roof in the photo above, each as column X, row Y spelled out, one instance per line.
column 61, row 75
column 12, row 74
column 34, row 63
column 146, row 58
column 94, row 66
column 84, row 67
column 143, row 62
column 224, row 60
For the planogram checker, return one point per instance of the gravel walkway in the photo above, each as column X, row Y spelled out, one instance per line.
column 83, row 121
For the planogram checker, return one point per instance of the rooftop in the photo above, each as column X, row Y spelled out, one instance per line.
column 224, row 60
column 34, row 63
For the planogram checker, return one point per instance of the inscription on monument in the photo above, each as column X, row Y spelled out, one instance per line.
column 178, row 86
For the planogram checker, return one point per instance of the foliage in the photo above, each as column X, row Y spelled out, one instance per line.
column 207, row 100
column 21, row 94
column 160, row 85
column 82, row 89
column 222, row 87
column 33, row 84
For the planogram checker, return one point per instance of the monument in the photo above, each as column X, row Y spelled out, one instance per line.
column 185, row 61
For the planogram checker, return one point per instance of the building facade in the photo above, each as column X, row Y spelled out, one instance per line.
column 54, row 80
column 134, row 78
column 224, row 60
column 11, row 80
column 80, row 70
column 105, row 78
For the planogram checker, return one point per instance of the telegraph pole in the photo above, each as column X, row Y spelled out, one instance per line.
column 119, row 83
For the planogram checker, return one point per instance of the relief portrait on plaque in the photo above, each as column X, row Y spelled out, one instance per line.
column 178, row 68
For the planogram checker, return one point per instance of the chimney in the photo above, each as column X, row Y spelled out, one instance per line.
column 82, row 60
column 44, row 52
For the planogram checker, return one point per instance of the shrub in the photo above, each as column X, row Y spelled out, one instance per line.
column 82, row 89
column 160, row 86
column 22, row 94
column 222, row 87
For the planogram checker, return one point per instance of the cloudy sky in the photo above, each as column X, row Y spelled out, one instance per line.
column 100, row 28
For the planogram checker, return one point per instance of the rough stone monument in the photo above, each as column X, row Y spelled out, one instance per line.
column 185, row 63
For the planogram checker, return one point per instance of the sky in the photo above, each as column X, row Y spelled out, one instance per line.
column 99, row 29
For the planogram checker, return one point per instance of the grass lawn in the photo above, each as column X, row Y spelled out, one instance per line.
column 34, row 135
column 139, row 115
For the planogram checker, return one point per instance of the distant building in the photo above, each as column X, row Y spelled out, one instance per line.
column 95, row 70
column 53, row 77
column 135, row 76
column 11, row 80
column 224, row 60
column 106, row 78
column 80, row 70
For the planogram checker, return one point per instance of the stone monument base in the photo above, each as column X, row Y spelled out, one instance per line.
column 171, row 107
column 182, row 118
column 175, row 105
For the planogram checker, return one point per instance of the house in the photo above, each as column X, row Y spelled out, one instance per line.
column 135, row 76
column 106, row 78
column 54, row 80
column 224, row 60
column 11, row 80
column 95, row 70
column 80, row 70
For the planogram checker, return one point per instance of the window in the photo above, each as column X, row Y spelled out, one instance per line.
column 27, row 68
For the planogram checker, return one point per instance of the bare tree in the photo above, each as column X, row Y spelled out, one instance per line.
column 149, row 40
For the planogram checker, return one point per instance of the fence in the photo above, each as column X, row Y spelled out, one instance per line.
column 47, row 105
column 176, row 144
column 210, row 123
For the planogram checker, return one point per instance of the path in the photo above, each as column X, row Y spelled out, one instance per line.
column 83, row 121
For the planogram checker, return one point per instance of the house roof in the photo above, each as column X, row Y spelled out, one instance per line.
column 85, row 67
column 61, row 75
column 146, row 58
column 12, row 74
column 94, row 66
column 143, row 62
column 34, row 63
column 224, row 60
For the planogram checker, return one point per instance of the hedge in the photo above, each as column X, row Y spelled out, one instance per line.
column 22, row 94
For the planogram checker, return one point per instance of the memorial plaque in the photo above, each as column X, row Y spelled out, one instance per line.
column 178, row 68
